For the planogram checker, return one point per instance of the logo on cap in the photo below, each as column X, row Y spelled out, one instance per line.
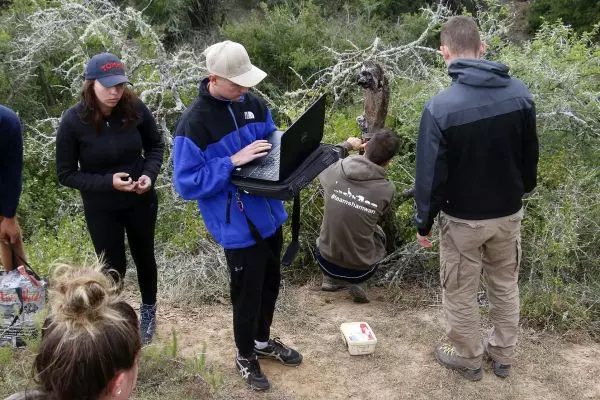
column 111, row 65
column 107, row 69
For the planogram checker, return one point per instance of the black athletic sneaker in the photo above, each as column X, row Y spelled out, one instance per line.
column 249, row 369
column 278, row 351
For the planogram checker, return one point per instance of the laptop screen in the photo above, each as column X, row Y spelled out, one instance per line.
column 302, row 138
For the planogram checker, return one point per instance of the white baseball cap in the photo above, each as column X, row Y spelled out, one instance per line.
column 230, row 60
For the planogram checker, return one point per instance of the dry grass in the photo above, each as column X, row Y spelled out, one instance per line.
column 163, row 374
column 198, row 361
column 403, row 366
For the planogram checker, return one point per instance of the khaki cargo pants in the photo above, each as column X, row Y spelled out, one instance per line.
column 467, row 247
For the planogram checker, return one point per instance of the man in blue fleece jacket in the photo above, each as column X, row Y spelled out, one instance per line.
column 11, row 169
column 477, row 155
column 224, row 128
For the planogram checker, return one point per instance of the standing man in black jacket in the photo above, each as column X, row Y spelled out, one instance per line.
column 477, row 155
column 11, row 171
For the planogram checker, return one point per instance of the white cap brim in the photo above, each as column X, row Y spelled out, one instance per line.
column 250, row 78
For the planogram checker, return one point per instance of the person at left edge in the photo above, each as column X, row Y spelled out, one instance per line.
column 11, row 171
column 224, row 128
column 109, row 148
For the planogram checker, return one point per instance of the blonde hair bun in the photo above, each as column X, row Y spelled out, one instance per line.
column 80, row 296
column 89, row 335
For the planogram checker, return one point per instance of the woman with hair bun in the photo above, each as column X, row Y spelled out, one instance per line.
column 90, row 340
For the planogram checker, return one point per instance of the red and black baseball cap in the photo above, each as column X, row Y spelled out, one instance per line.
column 107, row 69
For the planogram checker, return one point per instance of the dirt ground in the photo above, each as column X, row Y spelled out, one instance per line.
column 402, row 367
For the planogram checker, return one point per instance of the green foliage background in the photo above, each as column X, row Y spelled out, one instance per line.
column 581, row 14
column 560, row 278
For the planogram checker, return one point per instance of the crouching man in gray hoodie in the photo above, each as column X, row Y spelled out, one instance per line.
column 357, row 194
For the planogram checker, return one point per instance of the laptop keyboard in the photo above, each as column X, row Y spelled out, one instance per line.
column 269, row 167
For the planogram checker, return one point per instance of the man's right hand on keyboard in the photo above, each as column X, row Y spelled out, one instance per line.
column 254, row 150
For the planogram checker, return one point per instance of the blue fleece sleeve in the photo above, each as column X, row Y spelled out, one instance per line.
column 431, row 174
column 11, row 162
column 194, row 176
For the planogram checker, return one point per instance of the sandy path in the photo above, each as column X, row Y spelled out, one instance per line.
column 402, row 367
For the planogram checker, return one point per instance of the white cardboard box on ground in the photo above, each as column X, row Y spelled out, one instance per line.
column 359, row 337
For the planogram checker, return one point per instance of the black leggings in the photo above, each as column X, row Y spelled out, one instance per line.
column 107, row 229
column 255, row 277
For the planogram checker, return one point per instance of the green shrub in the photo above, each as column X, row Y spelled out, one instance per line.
column 581, row 14
column 68, row 242
column 561, row 239
column 288, row 40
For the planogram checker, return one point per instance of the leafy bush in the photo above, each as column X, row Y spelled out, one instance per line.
column 581, row 14
column 560, row 232
column 288, row 40
column 561, row 239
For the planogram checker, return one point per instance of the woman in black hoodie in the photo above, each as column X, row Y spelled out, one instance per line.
column 109, row 148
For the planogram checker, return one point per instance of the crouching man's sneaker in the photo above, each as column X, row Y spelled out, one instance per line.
column 446, row 355
column 331, row 284
column 358, row 293
column 249, row 369
column 276, row 350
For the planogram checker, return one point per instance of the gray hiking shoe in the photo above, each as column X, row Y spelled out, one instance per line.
column 331, row 284
column 358, row 293
column 446, row 355
column 500, row 370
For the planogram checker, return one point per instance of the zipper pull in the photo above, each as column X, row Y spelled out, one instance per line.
column 238, row 201
column 228, row 210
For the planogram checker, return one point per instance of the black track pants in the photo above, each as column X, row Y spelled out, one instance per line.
column 107, row 229
column 254, row 285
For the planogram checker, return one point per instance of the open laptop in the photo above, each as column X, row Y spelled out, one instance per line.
column 290, row 148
